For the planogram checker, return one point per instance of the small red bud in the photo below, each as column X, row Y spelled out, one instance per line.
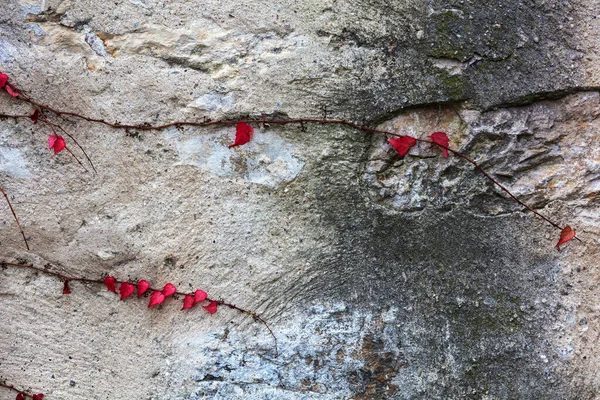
column 66, row 288
column 35, row 116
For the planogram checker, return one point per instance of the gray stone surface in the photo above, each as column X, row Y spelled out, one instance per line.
column 382, row 278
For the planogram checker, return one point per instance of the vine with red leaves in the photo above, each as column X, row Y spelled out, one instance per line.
column 22, row 395
column 244, row 131
column 158, row 296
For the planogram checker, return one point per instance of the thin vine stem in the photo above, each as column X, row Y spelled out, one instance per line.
column 15, row 216
column 11, row 387
column 69, row 278
column 498, row 184
column 57, row 126
column 51, row 125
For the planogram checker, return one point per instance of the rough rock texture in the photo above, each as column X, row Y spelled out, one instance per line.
column 382, row 278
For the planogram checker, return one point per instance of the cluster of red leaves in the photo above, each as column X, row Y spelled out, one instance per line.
column 403, row 144
column 21, row 396
column 10, row 89
column 157, row 297
column 126, row 289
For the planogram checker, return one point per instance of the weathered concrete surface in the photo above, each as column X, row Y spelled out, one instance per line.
column 381, row 278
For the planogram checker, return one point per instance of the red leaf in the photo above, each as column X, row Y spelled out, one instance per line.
column 38, row 396
column 156, row 298
column 441, row 139
column 199, row 295
column 57, row 143
column 566, row 234
column 188, row 301
column 243, row 133
column 142, row 286
column 35, row 116
column 3, row 79
column 403, row 144
column 20, row 396
column 169, row 289
column 66, row 288
column 109, row 281
column 126, row 289
column 211, row 307
column 11, row 90
column 51, row 141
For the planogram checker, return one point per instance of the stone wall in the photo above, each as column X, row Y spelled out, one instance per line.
column 381, row 277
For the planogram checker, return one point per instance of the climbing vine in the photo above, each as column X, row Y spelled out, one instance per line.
column 59, row 139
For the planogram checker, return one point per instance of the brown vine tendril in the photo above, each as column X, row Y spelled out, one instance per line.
column 13, row 388
column 60, row 128
column 15, row 216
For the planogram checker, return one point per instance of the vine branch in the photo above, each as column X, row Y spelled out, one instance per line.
column 69, row 278
column 262, row 120
column 15, row 216
column 20, row 392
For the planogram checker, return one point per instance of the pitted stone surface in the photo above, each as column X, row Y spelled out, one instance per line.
column 382, row 278
column 535, row 150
